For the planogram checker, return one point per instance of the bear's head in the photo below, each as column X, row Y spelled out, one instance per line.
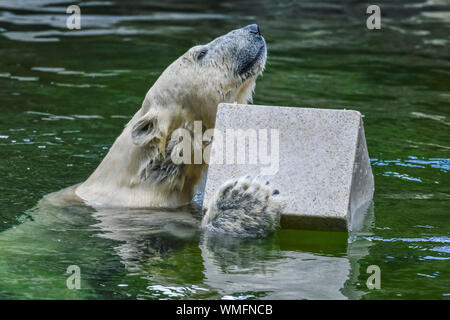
column 223, row 70
column 138, row 170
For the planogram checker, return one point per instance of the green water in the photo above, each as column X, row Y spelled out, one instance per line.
column 65, row 96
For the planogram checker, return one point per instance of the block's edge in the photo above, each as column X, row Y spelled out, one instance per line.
column 309, row 222
column 351, row 183
column 233, row 105
column 354, row 209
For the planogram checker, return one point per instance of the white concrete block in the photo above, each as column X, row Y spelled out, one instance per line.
column 322, row 169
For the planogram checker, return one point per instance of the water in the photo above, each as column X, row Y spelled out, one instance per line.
column 66, row 95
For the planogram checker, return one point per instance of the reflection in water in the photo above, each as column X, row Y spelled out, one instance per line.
column 235, row 268
column 291, row 265
column 162, row 254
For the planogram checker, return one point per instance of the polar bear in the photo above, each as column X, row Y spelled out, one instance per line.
column 138, row 170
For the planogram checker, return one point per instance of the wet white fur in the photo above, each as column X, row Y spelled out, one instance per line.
column 186, row 91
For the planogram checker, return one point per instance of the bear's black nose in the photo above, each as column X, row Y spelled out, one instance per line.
column 253, row 28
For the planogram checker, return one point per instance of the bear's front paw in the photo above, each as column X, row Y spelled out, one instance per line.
column 244, row 208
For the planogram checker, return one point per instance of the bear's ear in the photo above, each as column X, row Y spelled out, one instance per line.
column 145, row 130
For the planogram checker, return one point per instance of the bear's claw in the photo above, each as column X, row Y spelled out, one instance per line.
column 244, row 207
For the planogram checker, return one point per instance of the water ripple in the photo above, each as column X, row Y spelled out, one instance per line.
column 94, row 25
column 170, row 291
column 64, row 71
column 443, row 164
column 442, row 239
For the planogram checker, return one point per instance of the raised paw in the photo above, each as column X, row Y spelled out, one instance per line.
column 244, row 207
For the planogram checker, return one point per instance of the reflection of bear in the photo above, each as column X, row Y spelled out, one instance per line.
column 138, row 171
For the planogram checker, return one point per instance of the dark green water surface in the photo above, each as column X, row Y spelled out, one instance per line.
column 66, row 95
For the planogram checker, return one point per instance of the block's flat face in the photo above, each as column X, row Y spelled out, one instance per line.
column 315, row 166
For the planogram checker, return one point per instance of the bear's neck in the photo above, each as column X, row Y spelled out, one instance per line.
column 116, row 183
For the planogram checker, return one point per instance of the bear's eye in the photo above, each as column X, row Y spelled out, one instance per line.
column 201, row 54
